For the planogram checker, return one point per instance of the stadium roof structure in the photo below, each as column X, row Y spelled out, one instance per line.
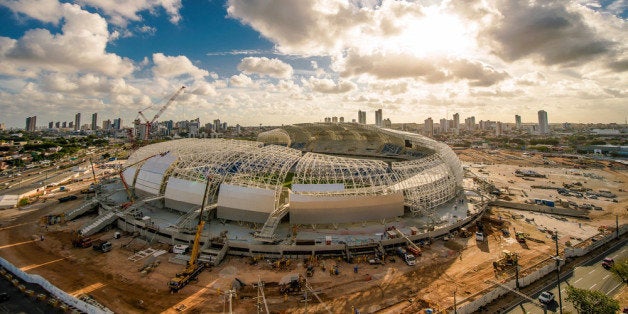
column 361, row 172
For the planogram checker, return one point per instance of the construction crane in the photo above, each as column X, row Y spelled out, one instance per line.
column 163, row 108
column 194, row 268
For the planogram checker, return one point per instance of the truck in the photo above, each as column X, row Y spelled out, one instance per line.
column 101, row 246
column 67, row 198
column 407, row 257
column 82, row 242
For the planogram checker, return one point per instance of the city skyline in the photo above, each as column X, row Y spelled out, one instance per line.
column 248, row 63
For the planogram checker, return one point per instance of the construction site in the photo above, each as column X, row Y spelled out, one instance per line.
column 182, row 231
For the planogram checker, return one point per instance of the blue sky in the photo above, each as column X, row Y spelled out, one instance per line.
column 280, row 61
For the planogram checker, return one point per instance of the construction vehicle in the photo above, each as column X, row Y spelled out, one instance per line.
column 194, row 267
column 281, row 263
column 407, row 257
column 81, row 242
column 163, row 108
column 507, row 259
column 292, row 284
column 521, row 237
column 101, row 246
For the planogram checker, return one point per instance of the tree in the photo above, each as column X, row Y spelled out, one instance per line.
column 591, row 301
column 620, row 269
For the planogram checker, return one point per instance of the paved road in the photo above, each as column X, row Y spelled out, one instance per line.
column 590, row 276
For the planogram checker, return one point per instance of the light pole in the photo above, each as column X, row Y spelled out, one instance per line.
column 557, row 258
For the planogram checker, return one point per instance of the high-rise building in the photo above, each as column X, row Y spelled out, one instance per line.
column 342, row 119
column 58, row 124
column 94, row 121
column 361, row 117
column 543, row 122
column 517, row 122
column 378, row 117
column 457, row 121
column 470, row 123
column 77, row 121
column 334, row 119
column 117, row 124
column 106, row 125
column 387, row 123
column 71, row 126
column 443, row 125
column 31, row 123
column 51, row 124
column 217, row 125
column 498, row 129
column 428, row 127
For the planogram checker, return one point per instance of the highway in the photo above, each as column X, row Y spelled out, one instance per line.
column 590, row 275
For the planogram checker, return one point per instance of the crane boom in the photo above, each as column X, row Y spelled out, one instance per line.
column 170, row 101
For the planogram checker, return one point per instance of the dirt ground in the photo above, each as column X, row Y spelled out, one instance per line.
column 460, row 265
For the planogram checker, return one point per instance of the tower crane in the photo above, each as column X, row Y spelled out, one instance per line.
column 163, row 108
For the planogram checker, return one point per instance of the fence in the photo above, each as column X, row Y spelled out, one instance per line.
column 53, row 290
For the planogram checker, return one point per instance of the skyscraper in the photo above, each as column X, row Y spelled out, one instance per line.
column 543, row 122
column 31, row 123
column 117, row 123
column 457, row 121
column 518, row 121
column 378, row 117
column 361, row 117
column 51, row 124
column 77, row 121
column 94, row 121
column 429, row 127
column 443, row 125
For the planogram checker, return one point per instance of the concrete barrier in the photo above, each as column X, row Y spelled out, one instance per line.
column 53, row 290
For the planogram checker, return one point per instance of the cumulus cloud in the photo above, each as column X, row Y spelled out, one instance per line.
column 547, row 30
column 123, row 11
column 203, row 88
column 79, row 48
column 392, row 88
column 49, row 11
column 328, row 86
column 240, row 80
column 171, row 67
column 264, row 66
column 432, row 70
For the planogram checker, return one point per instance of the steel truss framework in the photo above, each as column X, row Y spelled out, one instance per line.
column 427, row 180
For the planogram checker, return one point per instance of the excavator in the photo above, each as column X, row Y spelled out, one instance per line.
column 194, row 267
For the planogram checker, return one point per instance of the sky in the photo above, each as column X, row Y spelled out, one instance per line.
column 274, row 62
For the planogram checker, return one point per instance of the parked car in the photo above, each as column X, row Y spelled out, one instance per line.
column 608, row 262
column 546, row 297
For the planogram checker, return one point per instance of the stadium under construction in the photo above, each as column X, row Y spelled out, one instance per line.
column 325, row 189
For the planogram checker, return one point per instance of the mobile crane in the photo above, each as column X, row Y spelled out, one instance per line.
column 163, row 108
column 194, row 267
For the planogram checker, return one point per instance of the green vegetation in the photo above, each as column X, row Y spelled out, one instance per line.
column 22, row 202
column 591, row 301
column 620, row 269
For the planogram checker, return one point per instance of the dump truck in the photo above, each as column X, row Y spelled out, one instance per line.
column 82, row 242
column 507, row 259
column 102, row 246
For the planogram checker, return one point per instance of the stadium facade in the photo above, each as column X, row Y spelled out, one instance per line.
column 312, row 173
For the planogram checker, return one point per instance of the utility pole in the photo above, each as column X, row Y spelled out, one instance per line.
column 557, row 258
